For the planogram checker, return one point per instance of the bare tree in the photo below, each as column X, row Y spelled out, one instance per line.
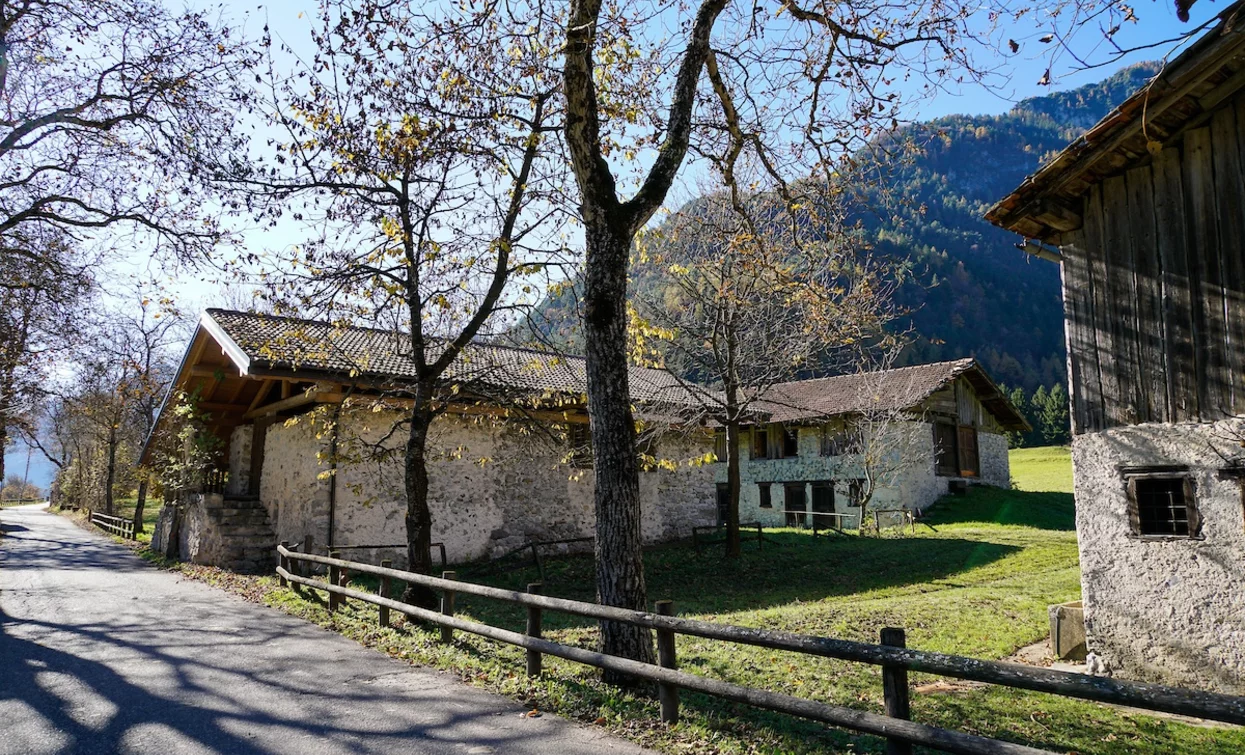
column 749, row 303
column 109, row 108
column 413, row 149
column 886, row 438
column 38, row 323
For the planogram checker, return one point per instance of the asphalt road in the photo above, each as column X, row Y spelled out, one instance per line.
column 99, row 653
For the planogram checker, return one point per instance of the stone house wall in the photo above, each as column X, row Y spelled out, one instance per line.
column 1162, row 609
column 239, row 460
column 492, row 487
column 916, row 487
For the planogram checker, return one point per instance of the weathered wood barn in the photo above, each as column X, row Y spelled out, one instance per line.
column 1146, row 214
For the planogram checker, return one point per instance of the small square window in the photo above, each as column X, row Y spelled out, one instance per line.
column 764, row 494
column 1163, row 506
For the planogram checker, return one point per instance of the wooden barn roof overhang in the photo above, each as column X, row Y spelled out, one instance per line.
column 235, row 389
column 1181, row 97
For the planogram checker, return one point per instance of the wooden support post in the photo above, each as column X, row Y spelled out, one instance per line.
column 283, row 561
column 533, row 630
column 447, row 608
column 667, row 694
column 385, row 592
column 895, row 690
column 334, row 579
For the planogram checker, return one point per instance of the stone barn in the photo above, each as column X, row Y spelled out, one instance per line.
column 311, row 433
column 1146, row 215
column 945, row 424
column 313, row 445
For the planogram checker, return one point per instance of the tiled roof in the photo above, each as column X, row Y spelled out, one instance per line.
column 888, row 390
column 291, row 344
column 284, row 344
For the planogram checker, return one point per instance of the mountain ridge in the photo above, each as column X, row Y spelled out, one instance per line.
column 974, row 294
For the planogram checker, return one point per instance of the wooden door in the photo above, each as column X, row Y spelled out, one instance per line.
column 823, row 503
column 795, row 503
column 970, row 464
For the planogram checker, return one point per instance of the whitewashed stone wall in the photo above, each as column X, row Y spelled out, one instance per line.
column 917, row 487
column 995, row 463
column 1170, row 610
column 289, row 486
column 240, row 460
column 492, row 488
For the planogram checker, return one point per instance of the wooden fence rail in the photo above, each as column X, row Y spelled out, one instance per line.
column 117, row 525
column 895, row 659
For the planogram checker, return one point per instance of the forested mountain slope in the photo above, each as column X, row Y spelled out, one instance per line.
column 973, row 292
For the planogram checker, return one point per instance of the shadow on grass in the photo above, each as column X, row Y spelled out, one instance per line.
column 793, row 567
column 985, row 505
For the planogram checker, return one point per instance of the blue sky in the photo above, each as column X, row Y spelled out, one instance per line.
column 290, row 21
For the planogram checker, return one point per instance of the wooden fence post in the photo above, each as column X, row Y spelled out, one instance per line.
column 334, row 577
column 447, row 608
column 283, row 562
column 384, row 592
column 895, row 690
column 668, row 694
column 533, row 630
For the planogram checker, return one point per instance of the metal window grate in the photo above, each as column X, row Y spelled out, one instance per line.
column 1161, row 507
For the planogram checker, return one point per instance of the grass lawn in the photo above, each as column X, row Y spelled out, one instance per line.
column 975, row 580
column 1042, row 469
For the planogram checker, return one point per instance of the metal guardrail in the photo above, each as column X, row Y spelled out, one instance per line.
column 895, row 659
column 116, row 525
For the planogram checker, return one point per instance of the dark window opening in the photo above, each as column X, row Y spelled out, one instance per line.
column 823, row 503
column 719, row 445
column 790, row 442
column 764, row 494
column 795, row 504
column 760, row 443
column 1163, row 506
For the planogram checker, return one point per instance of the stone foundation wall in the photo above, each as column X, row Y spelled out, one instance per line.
column 1162, row 609
column 492, row 487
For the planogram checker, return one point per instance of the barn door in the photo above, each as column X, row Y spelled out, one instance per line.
column 970, row 464
column 823, row 503
column 795, row 503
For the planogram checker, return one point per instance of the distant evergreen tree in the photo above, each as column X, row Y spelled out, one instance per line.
column 1018, row 438
column 1056, row 429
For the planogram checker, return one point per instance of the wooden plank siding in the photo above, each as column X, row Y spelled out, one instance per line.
column 1154, row 284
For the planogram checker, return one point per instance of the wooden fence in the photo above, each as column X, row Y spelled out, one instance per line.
column 891, row 655
column 117, row 525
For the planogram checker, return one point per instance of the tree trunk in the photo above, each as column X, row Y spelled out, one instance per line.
column 418, row 515
column 733, row 546
column 4, row 438
column 138, row 507
column 616, row 493
column 112, row 470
